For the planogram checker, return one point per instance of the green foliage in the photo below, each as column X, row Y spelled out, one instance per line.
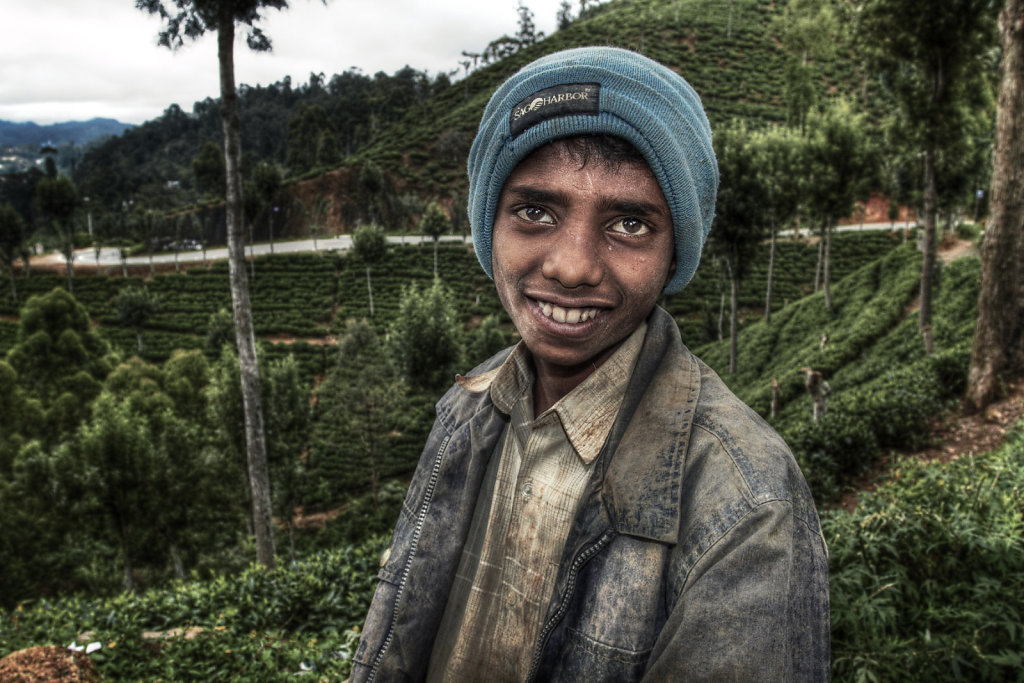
column 357, row 404
column 427, row 343
column 209, row 171
column 923, row 572
column 885, row 390
column 59, row 358
column 257, row 625
column 135, row 306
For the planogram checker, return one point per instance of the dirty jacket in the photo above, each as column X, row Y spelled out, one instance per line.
column 695, row 555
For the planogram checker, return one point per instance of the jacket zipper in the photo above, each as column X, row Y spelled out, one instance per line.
column 420, row 518
column 563, row 606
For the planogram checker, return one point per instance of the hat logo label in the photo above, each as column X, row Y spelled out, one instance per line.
column 560, row 100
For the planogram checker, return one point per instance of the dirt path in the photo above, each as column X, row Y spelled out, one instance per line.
column 954, row 436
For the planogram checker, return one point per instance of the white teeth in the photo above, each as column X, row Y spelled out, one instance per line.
column 567, row 315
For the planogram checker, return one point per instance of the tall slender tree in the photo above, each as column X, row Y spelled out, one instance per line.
column 190, row 19
column 369, row 245
column 58, row 199
column 842, row 165
column 999, row 334
column 739, row 215
column 433, row 224
column 931, row 58
column 12, row 235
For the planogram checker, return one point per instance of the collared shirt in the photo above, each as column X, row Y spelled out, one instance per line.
column 531, row 492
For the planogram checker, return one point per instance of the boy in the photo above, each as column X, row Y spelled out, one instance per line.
column 594, row 504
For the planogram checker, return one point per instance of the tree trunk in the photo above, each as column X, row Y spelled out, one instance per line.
column 14, row 284
column 928, row 249
column 138, row 339
column 369, row 288
column 124, row 263
column 999, row 334
column 270, row 230
column 827, row 268
column 435, row 258
column 817, row 268
column 69, row 258
column 768, row 289
column 176, row 563
column 734, row 287
column 256, row 447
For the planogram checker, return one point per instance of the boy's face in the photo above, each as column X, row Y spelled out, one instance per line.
column 580, row 254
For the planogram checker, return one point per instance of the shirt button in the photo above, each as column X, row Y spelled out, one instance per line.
column 527, row 490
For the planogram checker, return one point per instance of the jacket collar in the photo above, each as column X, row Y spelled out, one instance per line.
column 644, row 456
column 642, row 461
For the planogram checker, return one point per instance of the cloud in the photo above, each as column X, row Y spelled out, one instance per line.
column 71, row 59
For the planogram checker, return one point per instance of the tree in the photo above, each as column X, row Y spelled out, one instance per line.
column 288, row 419
column 841, row 165
column 266, row 181
column 316, row 216
column 191, row 19
column 527, row 33
column 369, row 245
column 486, row 340
column 780, row 157
column 808, row 30
column 932, row 60
column 220, row 330
column 739, row 215
column 426, row 337
column 58, row 199
column 358, row 401
column 12, row 236
column 135, row 306
column 434, row 223
column 208, row 170
column 564, row 16
column 999, row 334
column 60, row 360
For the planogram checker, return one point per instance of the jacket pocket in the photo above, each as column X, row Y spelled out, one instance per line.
column 586, row 659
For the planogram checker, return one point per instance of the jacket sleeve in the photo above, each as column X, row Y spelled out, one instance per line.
column 753, row 605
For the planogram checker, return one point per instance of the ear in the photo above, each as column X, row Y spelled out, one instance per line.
column 671, row 272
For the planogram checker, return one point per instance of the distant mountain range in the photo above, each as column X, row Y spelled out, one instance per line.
column 78, row 132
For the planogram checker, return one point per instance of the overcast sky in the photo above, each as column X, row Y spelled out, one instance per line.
column 72, row 60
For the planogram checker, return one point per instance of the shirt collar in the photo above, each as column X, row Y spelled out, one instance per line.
column 588, row 411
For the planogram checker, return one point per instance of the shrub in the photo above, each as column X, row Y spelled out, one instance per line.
column 925, row 572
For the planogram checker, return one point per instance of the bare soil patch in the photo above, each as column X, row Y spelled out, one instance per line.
column 954, row 436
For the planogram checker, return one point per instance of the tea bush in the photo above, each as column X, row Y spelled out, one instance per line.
column 926, row 572
column 258, row 625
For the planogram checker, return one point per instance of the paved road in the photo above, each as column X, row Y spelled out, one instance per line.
column 112, row 257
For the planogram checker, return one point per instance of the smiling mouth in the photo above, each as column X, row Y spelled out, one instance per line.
column 560, row 314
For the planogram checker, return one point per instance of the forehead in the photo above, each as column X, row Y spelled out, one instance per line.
column 564, row 166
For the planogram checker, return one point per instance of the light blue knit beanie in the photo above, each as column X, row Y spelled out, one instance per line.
column 593, row 90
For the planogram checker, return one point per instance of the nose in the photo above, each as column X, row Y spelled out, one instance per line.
column 574, row 258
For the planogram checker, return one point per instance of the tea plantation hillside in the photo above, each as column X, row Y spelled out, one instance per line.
column 920, row 572
column 729, row 51
column 309, row 297
column 884, row 389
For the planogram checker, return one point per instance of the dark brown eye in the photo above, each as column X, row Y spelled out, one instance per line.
column 535, row 214
column 630, row 226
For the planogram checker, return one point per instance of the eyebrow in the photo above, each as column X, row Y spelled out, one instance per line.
column 632, row 207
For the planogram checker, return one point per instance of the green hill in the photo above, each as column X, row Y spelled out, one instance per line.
column 417, row 128
column 919, row 573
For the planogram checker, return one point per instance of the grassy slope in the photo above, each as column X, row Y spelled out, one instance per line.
column 727, row 51
column 885, row 390
column 901, row 602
